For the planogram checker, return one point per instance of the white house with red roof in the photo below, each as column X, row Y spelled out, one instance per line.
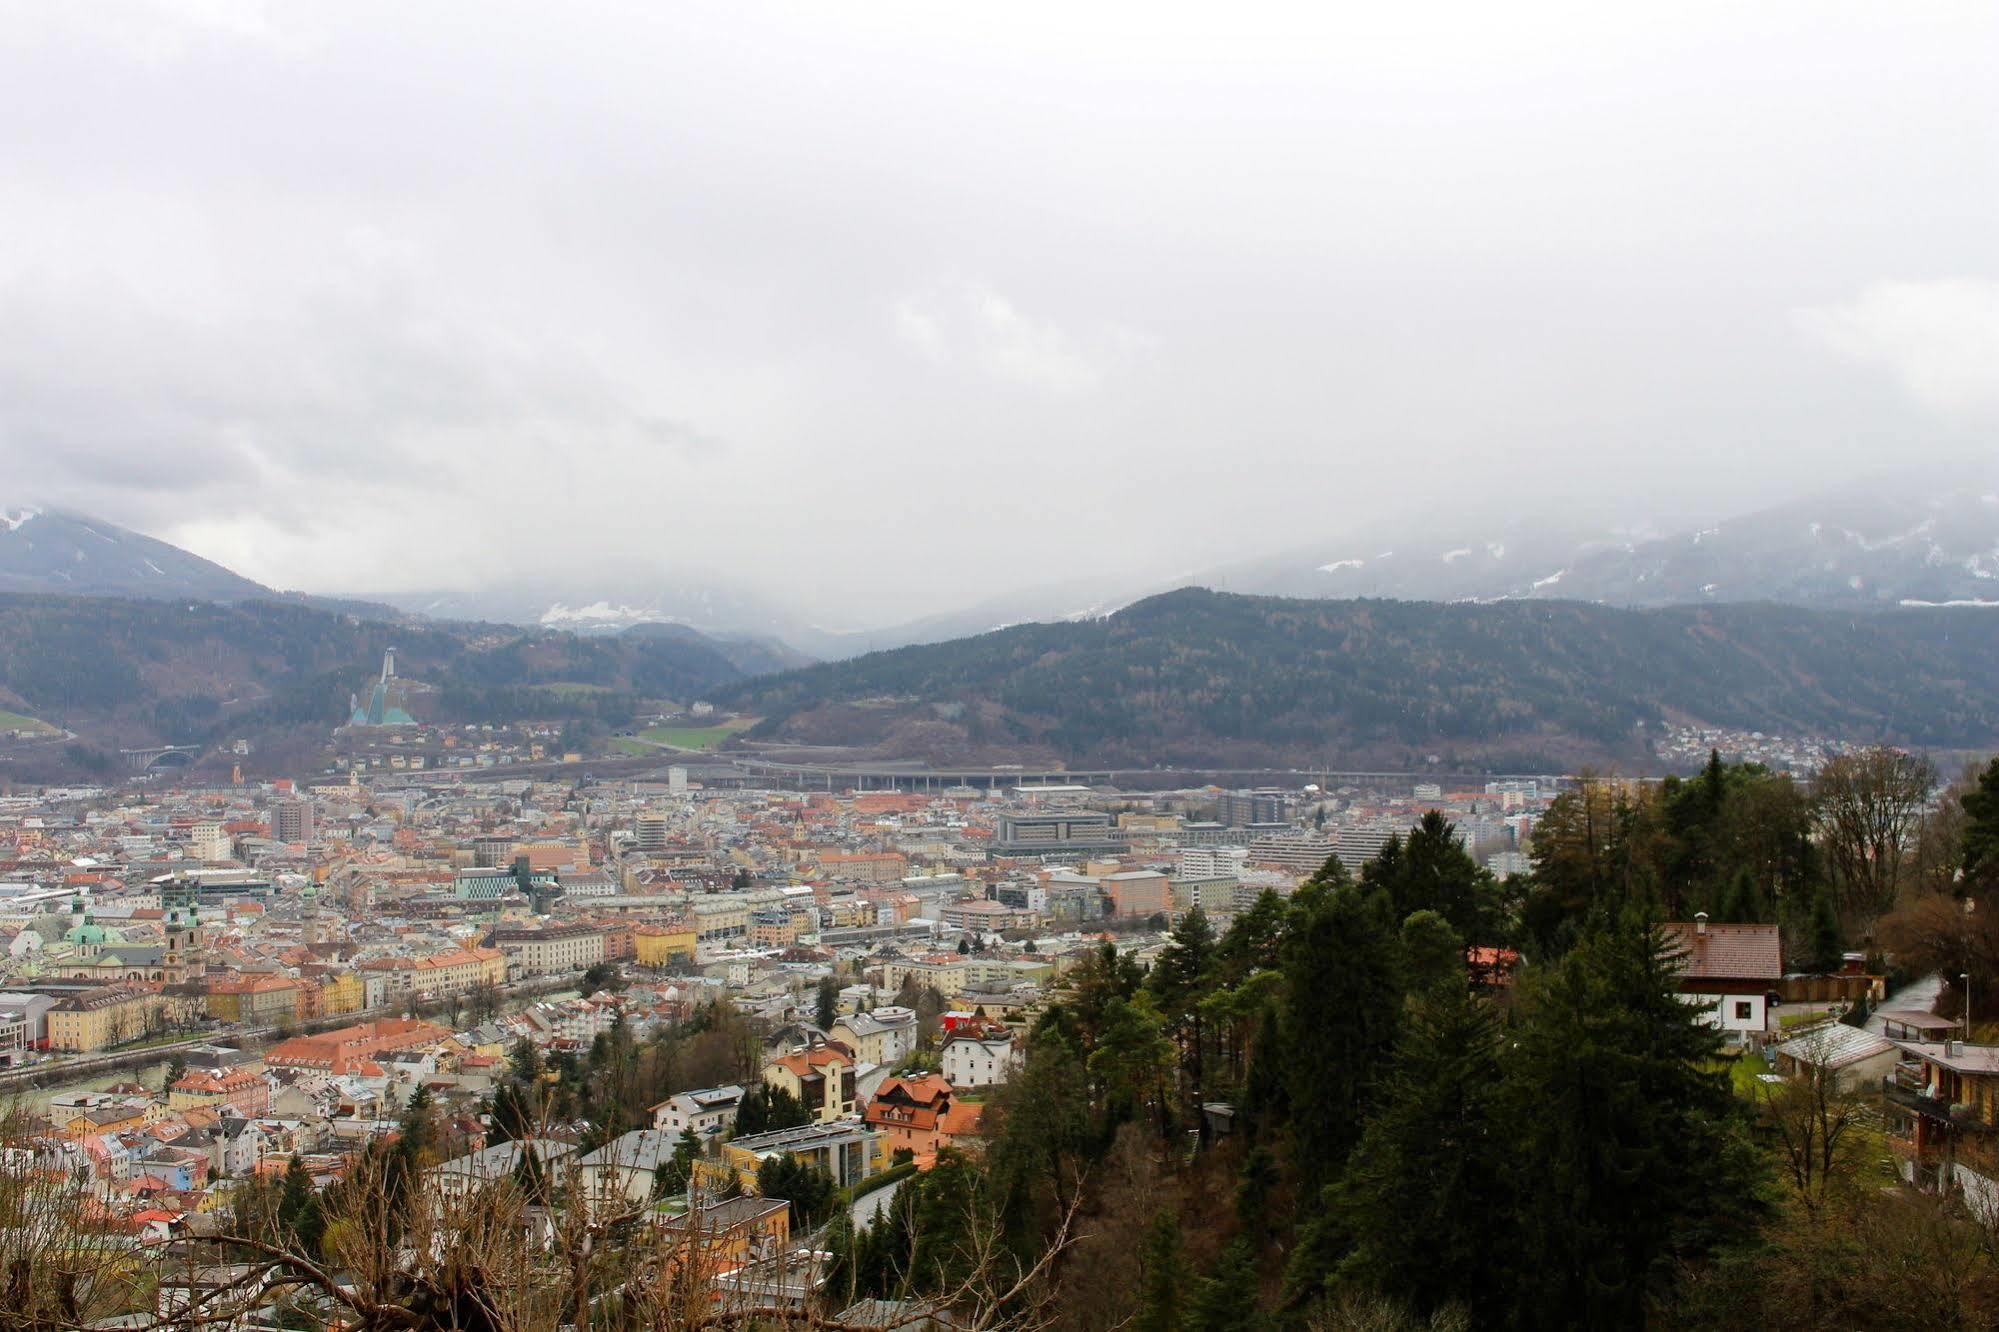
column 1730, row 970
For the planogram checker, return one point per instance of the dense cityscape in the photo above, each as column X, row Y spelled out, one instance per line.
column 206, row 986
column 1032, row 668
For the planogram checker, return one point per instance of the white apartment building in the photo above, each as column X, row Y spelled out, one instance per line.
column 1213, row 862
column 709, row 1110
column 979, row 1061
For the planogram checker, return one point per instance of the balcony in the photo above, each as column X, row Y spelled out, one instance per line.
column 1962, row 1117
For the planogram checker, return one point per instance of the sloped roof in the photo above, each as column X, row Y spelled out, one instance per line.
column 1727, row 952
column 1834, row 1045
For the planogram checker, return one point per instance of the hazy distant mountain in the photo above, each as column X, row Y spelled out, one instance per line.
column 615, row 603
column 1204, row 678
column 751, row 656
column 622, row 602
column 62, row 553
column 49, row 550
column 1879, row 543
column 132, row 671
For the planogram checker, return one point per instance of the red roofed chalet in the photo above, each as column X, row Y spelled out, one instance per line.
column 1732, row 969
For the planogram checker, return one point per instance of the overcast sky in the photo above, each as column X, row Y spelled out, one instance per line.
column 888, row 307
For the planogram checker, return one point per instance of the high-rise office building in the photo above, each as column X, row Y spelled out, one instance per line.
column 649, row 832
column 291, row 822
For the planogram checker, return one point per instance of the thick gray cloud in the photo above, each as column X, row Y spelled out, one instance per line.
column 367, row 297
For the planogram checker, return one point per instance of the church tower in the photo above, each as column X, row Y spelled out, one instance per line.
column 186, row 957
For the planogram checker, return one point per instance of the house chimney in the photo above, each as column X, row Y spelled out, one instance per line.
column 1700, row 922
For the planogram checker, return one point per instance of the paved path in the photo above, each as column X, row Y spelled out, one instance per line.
column 869, row 1205
column 1920, row 995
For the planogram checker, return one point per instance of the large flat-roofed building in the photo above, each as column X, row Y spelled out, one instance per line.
column 1298, row 853
column 1138, row 892
column 1240, row 809
column 537, row 952
column 1055, row 832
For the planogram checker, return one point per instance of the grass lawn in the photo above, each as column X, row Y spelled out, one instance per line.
column 1742, row 1071
column 14, row 721
column 1742, row 1075
column 696, row 737
column 625, row 744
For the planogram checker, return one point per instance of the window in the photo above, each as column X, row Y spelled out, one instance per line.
column 1742, row 1007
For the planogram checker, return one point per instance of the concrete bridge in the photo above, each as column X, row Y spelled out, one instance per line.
column 160, row 757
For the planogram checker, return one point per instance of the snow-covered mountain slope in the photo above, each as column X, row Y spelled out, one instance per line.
column 1884, row 542
column 50, row 550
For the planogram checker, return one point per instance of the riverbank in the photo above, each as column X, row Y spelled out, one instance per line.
column 34, row 1087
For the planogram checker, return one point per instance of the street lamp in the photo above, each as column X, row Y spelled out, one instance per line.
column 1966, row 978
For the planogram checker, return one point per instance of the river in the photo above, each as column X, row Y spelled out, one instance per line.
column 34, row 1100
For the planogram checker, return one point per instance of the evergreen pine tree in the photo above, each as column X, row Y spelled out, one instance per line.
column 1180, row 980
column 1132, row 1063
column 1627, row 1140
column 1225, row 1299
column 1432, row 871
column 1266, row 1094
column 1160, row 1286
column 827, row 1010
column 1435, row 952
column 299, row 1210
column 752, row 1113
column 1344, row 982
column 531, row 1178
column 1980, row 857
column 1425, row 1197
column 1252, row 939
column 679, row 1168
column 1255, row 1183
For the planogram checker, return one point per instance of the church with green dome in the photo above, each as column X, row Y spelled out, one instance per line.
column 102, row 952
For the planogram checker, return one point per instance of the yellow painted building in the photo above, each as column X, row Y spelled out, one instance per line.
column 253, row 1001
column 341, row 994
column 110, row 1016
column 452, row 972
column 661, row 945
column 110, row 1119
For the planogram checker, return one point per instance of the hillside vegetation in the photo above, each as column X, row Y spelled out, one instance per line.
column 1200, row 677
column 179, row 671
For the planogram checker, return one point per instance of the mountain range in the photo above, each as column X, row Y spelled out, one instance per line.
column 129, row 672
column 1886, row 542
column 1197, row 678
column 1879, row 543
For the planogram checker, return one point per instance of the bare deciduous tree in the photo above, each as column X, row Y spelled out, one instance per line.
column 1867, row 807
column 1816, row 1118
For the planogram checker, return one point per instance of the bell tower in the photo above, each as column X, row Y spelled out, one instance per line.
column 186, row 957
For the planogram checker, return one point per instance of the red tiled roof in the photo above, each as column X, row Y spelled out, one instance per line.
column 1727, row 952
column 962, row 1120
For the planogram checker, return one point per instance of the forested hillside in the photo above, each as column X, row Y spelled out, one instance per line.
column 141, row 671
column 1202, row 677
